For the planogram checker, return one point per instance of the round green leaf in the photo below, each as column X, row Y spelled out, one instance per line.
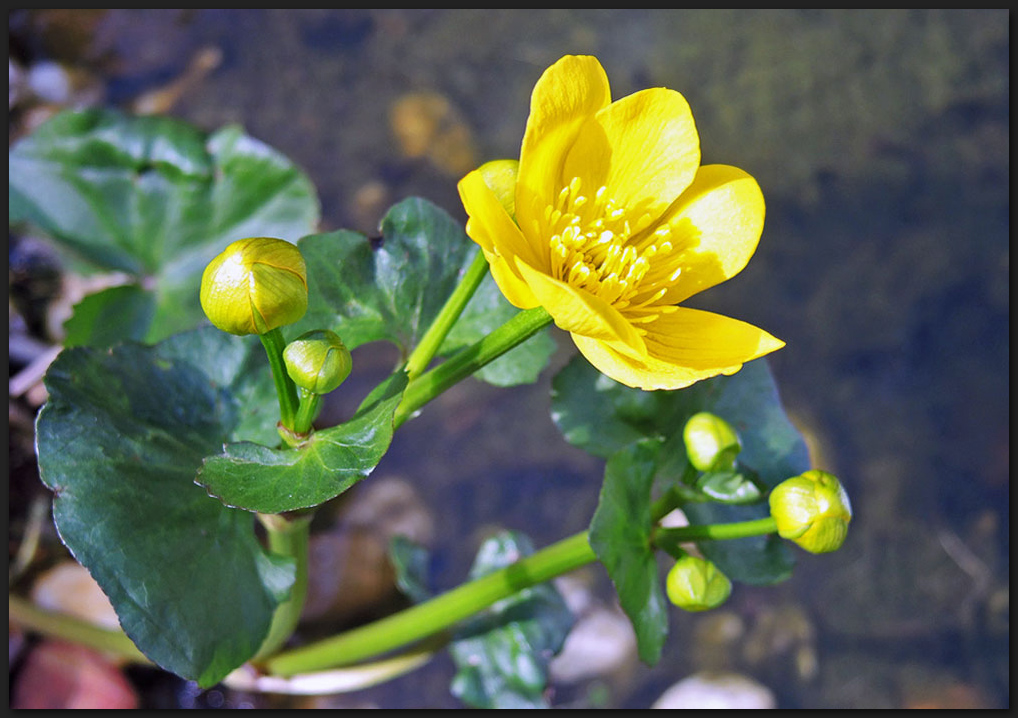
column 119, row 443
column 601, row 416
column 155, row 198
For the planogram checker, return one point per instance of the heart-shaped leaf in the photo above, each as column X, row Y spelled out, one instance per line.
column 602, row 416
column 257, row 478
column 154, row 198
column 119, row 443
column 368, row 291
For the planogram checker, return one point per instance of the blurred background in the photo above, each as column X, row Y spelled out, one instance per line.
column 881, row 142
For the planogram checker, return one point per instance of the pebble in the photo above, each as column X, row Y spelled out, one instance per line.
column 717, row 690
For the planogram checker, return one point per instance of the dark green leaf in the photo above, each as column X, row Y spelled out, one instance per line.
column 155, row 198
column 620, row 536
column 391, row 293
column 756, row 560
column 110, row 316
column 411, row 562
column 257, row 478
column 119, row 442
column 601, row 415
column 502, row 655
column 238, row 364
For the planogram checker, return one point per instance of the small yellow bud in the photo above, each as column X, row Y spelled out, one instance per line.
column 500, row 176
column 317, row 361
column 696, row 584
column 812, row 510
column 711, row 443
column 256, row 285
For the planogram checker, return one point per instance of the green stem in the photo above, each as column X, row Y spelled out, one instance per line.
column 668, row 537
column 288, row 536
column 429, row 344
column 461, row 365
column 401, row 629
column 70, row 628
column 439, row 613
column 285, row 389
column 306, row 411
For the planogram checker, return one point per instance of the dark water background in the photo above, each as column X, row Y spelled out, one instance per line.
column 881, row 141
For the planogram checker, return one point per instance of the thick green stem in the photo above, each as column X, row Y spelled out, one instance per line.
column 461, row 365
column 439, row 613
column 429, row 344
column 70, row 628
column 285, row 389
column 306, row 411
column 288, row 536
column 401, row 629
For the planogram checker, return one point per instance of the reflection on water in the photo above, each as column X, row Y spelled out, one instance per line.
column 881, row 142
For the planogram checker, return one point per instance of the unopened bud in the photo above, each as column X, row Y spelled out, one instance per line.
column 256, row 285
column 812, row 510
column 696, row 584
column 711, row 442
column 317, row 361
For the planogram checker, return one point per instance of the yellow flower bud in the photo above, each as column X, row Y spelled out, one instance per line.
column 696, row 584
column 500, row 176
column 711, row 443
column 256, row 285
column 317, row 361
column 812, row 510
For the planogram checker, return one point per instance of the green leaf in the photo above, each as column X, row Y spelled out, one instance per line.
column 392, row 292
column 110, row 316
column 620, row 536
column 502, row 655
column 601, row 416
column 155, row 198
column 239, row 365
column 410, row 562
column 257, row 478
column 119, row 442
column 730, row 487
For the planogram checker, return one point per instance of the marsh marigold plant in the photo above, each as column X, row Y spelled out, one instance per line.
column 612, row 223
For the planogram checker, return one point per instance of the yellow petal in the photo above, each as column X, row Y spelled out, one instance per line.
column 717, row 223
column 566, row 95
column 644, row 149
column 683, row 347
column 489, row 224
column 513, row 288
column 581, row 313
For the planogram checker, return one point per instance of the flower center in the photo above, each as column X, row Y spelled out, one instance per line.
column 597, row 247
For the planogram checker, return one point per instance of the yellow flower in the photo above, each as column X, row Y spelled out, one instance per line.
column 616, row 223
